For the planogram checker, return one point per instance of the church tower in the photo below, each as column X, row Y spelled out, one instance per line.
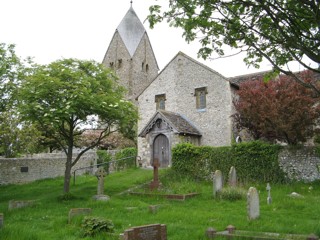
column 130, row 55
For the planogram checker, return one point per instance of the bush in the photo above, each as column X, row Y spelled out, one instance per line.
column 232, row 194
column 94, row 225
column 254, row 161
column 104, row 157
column 127, row 157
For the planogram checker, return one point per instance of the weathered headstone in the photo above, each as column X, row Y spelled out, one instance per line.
column 253, row 205
column 210, row 233
column 232, row 177
column 147, row 232
column 78, row 211
column 100, row 174
column 217, row 182
column 20, row 203
column 155, row 183
column 268, row 188
column 1, row 220
column 153, row 208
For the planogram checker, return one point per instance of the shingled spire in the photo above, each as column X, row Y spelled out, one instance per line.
column 130, row 55
column 131, row 30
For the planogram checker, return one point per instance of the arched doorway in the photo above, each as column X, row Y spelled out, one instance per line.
column 161, row 150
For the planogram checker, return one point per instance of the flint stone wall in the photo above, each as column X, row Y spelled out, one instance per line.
column 300, row 164
column 41, row 166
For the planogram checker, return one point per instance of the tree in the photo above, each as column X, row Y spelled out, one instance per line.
column 279, row 31
column 65, row 95
column 12, row 70
column 280, row 109
column 15, row 136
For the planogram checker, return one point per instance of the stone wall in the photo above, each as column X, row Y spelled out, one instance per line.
column 300, row 164
column 40, row 166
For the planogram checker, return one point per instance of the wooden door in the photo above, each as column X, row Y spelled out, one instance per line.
column 161, row 150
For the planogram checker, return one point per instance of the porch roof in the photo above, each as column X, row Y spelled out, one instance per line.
column 175, row 121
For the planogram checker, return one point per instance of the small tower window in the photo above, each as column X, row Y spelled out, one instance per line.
column 142, row 66
column 119, row 63
column 147, row 67
column 111, row 64
column 201, row 101
column 160, row 102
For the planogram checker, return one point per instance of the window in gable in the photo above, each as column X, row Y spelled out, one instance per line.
column 160, row 101
column 200, row 94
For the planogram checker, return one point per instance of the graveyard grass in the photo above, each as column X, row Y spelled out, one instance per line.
column 189, row 219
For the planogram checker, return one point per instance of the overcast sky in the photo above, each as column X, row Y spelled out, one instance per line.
column 49, row 30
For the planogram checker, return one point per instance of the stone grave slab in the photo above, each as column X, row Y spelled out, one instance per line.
column 78, row 211
column 13, row 204
column 146, row 232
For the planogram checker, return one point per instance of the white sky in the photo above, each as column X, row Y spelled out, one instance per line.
column 49, row 30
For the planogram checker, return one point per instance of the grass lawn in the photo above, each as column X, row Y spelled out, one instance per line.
column 48, row 218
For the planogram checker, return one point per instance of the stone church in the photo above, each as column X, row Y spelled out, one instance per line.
column 184, row 102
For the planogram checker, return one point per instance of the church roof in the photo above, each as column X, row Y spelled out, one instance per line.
column 131, row 31
column 237, row 80
column 175, row 121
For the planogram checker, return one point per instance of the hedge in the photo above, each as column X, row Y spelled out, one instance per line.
column 254, row 161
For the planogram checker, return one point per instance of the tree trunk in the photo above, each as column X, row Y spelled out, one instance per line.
column 67, row 173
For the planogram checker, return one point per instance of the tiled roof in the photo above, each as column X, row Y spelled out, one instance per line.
column 176, row 122
column 182, row 125
column 236, row 81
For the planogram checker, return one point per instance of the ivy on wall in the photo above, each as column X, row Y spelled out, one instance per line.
column 254, row 161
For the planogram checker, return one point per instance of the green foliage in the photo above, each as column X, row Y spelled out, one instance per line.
column 66, row 197
column 95, row 225
column 64, row 95
column 232, row 194
column 127, row 157
column 103, row 158
column 263, row 29
column 254, row 161
column 280, row 109
column 257, row 161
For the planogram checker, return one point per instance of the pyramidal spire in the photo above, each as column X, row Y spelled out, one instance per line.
column 131, row 30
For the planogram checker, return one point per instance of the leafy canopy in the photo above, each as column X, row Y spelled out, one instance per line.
column 279, row 31
column 280, row 109
column 69, row 95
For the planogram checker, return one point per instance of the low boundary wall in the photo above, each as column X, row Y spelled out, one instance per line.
column 41, row 166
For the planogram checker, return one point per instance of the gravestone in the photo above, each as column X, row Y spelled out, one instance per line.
column 217, row 182
column 155, row 183
column 232, row 177
column 78, row 211
column 20, row 203
column 153, row 208
column 253, row 205
column 146, row 232
column 1, row 220
column 269, row 199
column 100, row 174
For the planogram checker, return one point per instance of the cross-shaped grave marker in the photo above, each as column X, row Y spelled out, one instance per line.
column 100, row 174
column 155, row 183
